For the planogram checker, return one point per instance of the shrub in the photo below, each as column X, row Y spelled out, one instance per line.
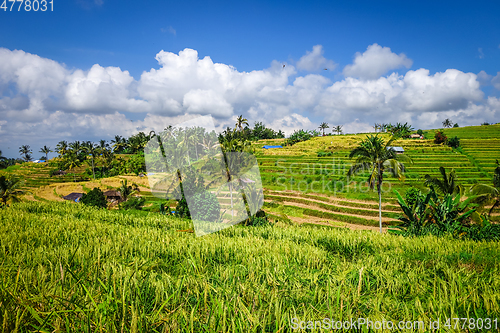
column 420, row 132
column 440, row 137
column 496, row 176
column 485, row 123
column 133, row 203
column 94, row 198
column 205, row 207
column 257, row 220
column 412, row 195
column 454, row 142
column 456, row 125
column 298, row 136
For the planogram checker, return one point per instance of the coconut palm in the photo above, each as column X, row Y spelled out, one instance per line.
column 72, row 161
column 2, row 157
column 10, row 189
column 240, row 121
column 92, row 150
column 323, row 126
column 118, row 144
column 62, row 148
column 447, row 123
column 374, row 154
column 46, row 150
column 127, row 190
column 486, row 194
column 447, row 185
column 25, row 152
column 337, row 129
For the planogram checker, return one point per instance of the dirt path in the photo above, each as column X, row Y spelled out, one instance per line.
column 330, row 198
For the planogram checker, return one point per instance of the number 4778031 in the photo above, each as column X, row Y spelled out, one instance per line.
column 27, row 5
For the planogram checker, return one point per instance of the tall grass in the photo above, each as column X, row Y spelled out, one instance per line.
column 66, row 267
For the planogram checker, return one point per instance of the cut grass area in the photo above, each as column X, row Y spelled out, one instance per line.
column 72, row 268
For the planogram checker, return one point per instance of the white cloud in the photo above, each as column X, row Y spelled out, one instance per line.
column 496, row 81
column 314, row 60
column 481, row 53
column 375, row 62
column 41, row 99
column 484, row 78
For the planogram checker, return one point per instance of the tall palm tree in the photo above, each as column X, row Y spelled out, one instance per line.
column 374, row 154
column 447, row 185
column 118, row 144
column 92, row 150
column 447, row 123
column 46, row 150
column 25, row 152
column 2, row 157
column 338, row 129
column 240, row 121
column 10, row 189
column 323, row 126
column 72, row 162
column 62, row 148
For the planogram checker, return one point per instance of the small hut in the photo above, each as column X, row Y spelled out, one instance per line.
column 398, row 150
column 73, row 196
column 113, row 195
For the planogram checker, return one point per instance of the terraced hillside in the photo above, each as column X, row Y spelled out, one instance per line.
column 297, row 172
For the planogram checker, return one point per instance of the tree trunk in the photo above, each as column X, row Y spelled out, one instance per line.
column 379, row 188
column 93, row 172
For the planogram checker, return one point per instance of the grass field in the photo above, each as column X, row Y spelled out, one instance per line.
column 68, row 268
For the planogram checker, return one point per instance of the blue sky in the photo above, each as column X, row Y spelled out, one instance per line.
column 91, row 69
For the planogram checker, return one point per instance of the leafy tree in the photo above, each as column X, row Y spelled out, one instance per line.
column 456, row 125
column 323, row 126
column 94, row 198
column 447, row 123
column 10, row 189
column 373, row 155
column 119, row 144
column 46, row 150
column 25, row 152
column 298, row 136
column 205, row 206
column 133, row 203
column 446, row 185
column 92, row 150
column 440, row 137
column 454, row 142
column 420, row 132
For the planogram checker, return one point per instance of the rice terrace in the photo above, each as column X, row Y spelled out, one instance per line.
column 86, row 246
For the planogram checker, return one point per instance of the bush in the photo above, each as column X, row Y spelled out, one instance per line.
column 496, row 176
column 456, row 125
column 454, row 142
column 133, row 203
column 298, row 136
column 440, row 137
column 94, row 198
column 420, row 132
column 323, row 153
column 205, row 207
column 257, row 220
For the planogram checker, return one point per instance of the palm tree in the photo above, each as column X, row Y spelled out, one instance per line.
column 323, row 126
column 72, row 162
column 486, row 194
column 25, row 152
column 46, row 150
column 447, row 123
column 446, row 185
column 127, row 190
column 118, row 144
column 375, row 155
column 92, row 150
column 62, row 148
column 338, row 129
column 240, row 121
column 9, row 189
column 2, row 157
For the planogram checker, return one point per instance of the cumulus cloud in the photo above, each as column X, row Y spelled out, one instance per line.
column 496, row 81
column 42, row 99
column 484, row 78
column 375, row 62
column 314, row 60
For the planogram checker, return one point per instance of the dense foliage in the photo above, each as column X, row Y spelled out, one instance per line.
column 94, row 198
column 454, row 142
column 440, row 137
column 298, row 136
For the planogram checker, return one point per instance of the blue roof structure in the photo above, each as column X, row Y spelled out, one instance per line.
column 270, row 147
